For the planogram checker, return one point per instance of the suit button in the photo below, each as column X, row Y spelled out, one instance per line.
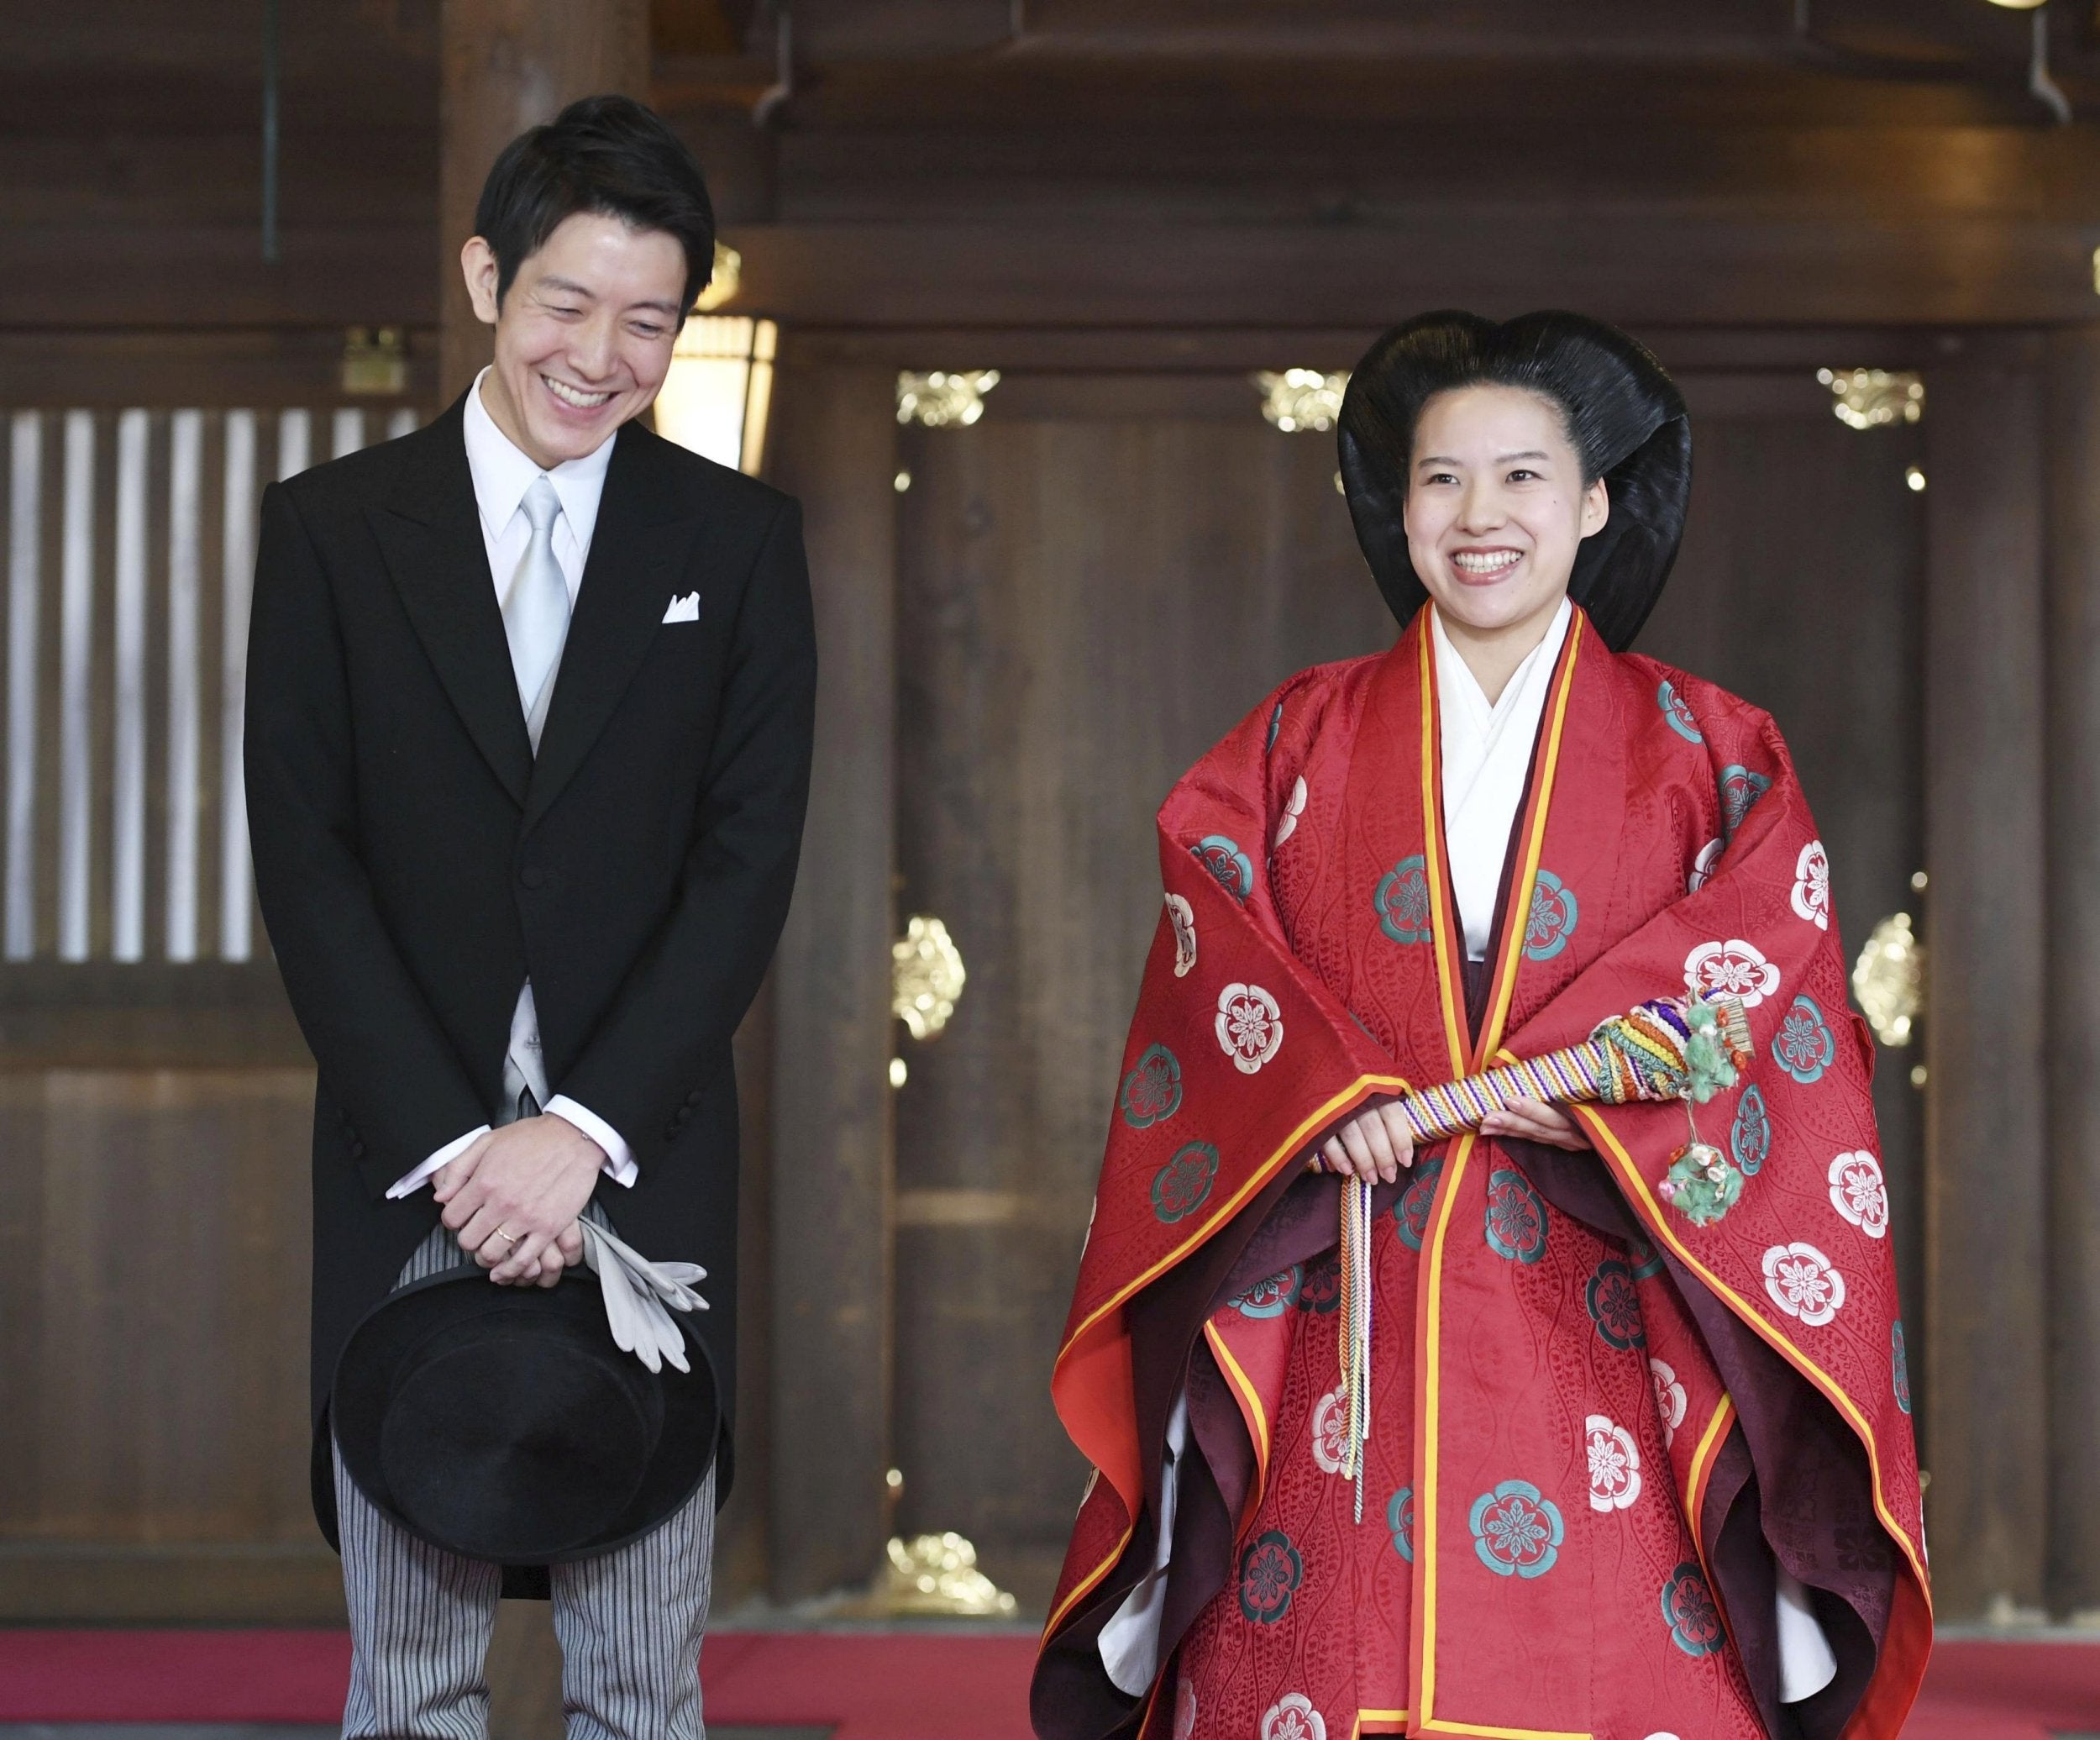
column 357, row 1150
column 693, row 1098
column 531, row 876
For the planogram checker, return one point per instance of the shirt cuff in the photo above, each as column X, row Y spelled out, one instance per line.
column 415, row 1180
column 619, row 1158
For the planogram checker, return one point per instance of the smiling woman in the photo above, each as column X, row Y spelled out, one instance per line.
column 1557, row 821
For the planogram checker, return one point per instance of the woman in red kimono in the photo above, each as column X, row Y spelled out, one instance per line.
column 1626, row 1475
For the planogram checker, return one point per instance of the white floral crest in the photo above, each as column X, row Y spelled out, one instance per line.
column 1812, row 884
column 1858, row 1193
column 1182, row 917
column 1184, row 1710
column 1803, row 1283
column 1614, row 1465
column 1293, row 1717
column 1331, row 1431
column 1703, row 867
column 1292, row 811
column 1669, row 1398
column 1733, row 969
column 1250, row 1026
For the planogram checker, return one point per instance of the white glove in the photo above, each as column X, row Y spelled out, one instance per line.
column 637, row 1295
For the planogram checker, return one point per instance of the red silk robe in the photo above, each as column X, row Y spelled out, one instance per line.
column 1550, row 1401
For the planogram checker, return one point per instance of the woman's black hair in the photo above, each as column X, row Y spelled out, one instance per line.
column 604, row 154
column 1624, row 417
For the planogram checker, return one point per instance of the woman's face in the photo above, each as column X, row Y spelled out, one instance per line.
column 1496, row 506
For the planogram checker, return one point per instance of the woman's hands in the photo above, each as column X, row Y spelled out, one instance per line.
column 1535, row 1121
column 1373, row 1146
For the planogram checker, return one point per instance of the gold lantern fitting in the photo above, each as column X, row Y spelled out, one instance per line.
column 1874, row 399
column 931, row 1574
column 1889, row 980
column 926, row 977
column 1301, row 400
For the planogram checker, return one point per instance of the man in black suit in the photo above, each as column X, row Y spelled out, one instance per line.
column 528, row 731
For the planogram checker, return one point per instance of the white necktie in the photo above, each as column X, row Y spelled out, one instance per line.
column 536, row 623
column 536, row 609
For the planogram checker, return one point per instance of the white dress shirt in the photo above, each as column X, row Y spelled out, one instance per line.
column 501, row 475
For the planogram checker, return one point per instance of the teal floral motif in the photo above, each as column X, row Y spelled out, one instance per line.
column 1403, row 900
column 1181, row 1186
column 1551, row 920
column 1804, row 1046
column 1271, row 1297
column 1275, row 725
column 1739, row 788
column 1679, row 715
column 1645, row 1259
column 1411, row 1214
column 1900, row 1366
column 1750, row 1137
column 1516, row 1217
column 1321, row 1291
column 1152, row 1092
column 1270, row 1572
column 1615, row 1308
column 1517, row 1530
column 1687, row 1607
column 1222, row 857
column 1399, row 1517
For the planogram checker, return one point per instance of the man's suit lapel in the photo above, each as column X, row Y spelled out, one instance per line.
column 430, row 532
column 636, row 550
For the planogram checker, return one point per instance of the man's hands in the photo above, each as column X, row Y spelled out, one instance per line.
column 1377, row 1142
column 514, row 1198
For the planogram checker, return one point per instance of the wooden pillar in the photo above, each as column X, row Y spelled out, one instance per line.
column 507, row 65
column 1986, row 1331
column 832, row 1157
column 2071, row 425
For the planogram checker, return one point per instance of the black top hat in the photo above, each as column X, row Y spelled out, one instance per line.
column 503, row 1424
column 1625, row 414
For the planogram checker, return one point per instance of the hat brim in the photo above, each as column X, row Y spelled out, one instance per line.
column 382, row 1350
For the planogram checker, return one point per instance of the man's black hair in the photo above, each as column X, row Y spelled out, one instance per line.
column 604, row 154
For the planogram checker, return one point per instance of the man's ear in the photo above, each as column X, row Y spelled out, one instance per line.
column 478, row 264
column 1596, row 508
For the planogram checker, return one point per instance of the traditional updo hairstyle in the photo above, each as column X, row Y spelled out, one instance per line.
column 1624, row 417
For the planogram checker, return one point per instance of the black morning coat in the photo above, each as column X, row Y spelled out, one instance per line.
column 415, row 862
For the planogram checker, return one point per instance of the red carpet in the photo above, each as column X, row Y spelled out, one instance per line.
column 870, row 1686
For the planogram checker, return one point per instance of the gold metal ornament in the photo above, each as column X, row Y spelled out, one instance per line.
column 944, row 398
column 1874, row 399
column 1889, row 980
column 375, row 361
column 1301, row 399
column 727, row 280
column 926, row 977
column 938, row 1574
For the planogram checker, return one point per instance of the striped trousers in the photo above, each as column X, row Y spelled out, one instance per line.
column 629, row 1621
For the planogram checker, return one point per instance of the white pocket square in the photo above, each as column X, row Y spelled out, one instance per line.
column 684, row 609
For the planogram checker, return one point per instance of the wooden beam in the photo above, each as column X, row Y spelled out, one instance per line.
column 1986, row 1304
column 1640, row 268
column 833, row 1166
column 2073, row 423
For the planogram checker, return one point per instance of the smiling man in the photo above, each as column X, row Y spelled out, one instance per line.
column 527, row 749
